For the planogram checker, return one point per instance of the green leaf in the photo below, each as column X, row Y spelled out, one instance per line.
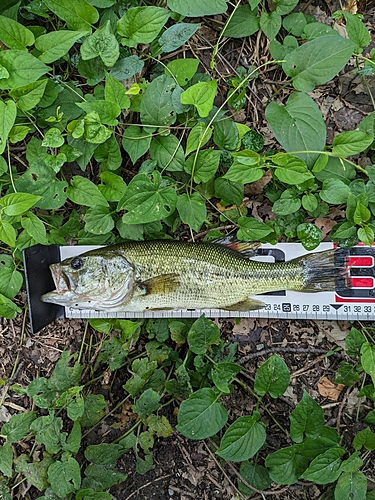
column 201, row 415
column 366, row 235
column 256, row 475
column 98, row 220
column 367, row 125
column 29, row 95
column 10, row 279
column 115, row 92
column 307, row 419
column 252, row 229
column 56, row 44
column 298, row 126
column 351, row 143
column 286, row 464
column 102, row 112
column 167, row 151
column 157, row 105
column 18, row 134
column 18, row 426
column 243, row 23
column 141, row 24
column 223, row 373
column 317, row 61
column 202, row 96
column 361, row 214
column 8, row 113
column 309, row 202
column 183, row 70
column 18, row 203
column 230, row 192
column 242, row 173
column 23, row 68
column 198, row 8
column 198, row 136
column 102, row 43
column 226, row 134
column 177, row 35
column 6, row 459
column 106, row 475
column 202, row 335
column 136, row 142
column 272, row 377
column 7, row 233
column 203, row 165
column 84, row 192
column 192, row 210
column 285, row 6
column 147, row 200
column 64, row 477
column 334, row 191
column 14, row 35
column 53, row 138
column 293, row 172
column 243, row 439
column 357, row 31
column 114, row 186
column 8, row 309
column 325, row 468
column 364, row 438
column 126, row 67
column 147, row 403
column 40, row 180
column 34, row 228
column 368, row 359
column 351, row 485
column 287, row 204
column 309, row 234
column 78, row 15
column 270, row 24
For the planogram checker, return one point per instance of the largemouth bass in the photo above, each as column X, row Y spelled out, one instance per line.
column 165, row 275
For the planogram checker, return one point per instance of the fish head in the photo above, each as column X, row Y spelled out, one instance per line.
column 93, row 280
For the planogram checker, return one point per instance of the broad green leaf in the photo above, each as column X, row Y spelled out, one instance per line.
column 202, row 96
column 168, row 153
column 243, row 439
column 157, row 106
column 192, row 210
column 226, row 134
column 52, row 138
column 34, row 472
column 136, row 142
column 230, row 192
column 23, row 68
column 309, row 202
column 126, row 67
column 7, row 233
column 116, row 92
column 272, row 377
column 177, row 35
column 351, row 143
column 244, row 174
column 35, row 228
column 114, row 186
column 106, row 111
column 147, row 200
column 223, row 373
column 337, row 168
column 8, row 309
column 198, row 136
column 64, row 477
column 84, row 192
column 325, row 468
column 106, row 475
column 298, row 126
column 141, row 24
column 8, row 113
column 201, row 415
column 10, row 279
column 202, row 334
column 109, row 154
column 279, row 51
column 365, row 438
column 368, row 359
column 29, row 95
column 6, row 458
column 182, row 69
column 361, row 214
column 285, row 6
column 198, row 8
column 309, row 234
column 367, row 125
column 17, row 134
column 41, row 180
column 14, row 35
column 317, row 61
column 243, row 23
column 256, row 475
column 56, row 44
column 98, row 220
column 252, row 229
column 307, row 419
column 147, row 403
column 314, row 30
column 286, row 464
column 78, row 15
column 295, row 23
column 334, row 191
column 287, row 204
column 366, row 235
column 18, row 426
column 350, row 486
column 203, row 165
column 270, row 24
column 293, row 172
column 18, row 203
column 102, row 43
column 357, row 31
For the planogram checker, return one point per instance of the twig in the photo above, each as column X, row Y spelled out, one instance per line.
column 294, row 350
column 146, row 485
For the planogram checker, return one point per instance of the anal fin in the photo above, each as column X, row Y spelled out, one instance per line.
column 245, row 305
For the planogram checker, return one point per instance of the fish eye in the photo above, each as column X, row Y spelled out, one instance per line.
column 76, row 263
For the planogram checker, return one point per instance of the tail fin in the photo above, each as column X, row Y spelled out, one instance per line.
column 320, row 272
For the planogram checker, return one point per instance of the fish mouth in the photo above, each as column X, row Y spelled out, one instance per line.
column 61, row 280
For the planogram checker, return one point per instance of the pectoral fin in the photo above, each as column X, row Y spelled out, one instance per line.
column 165, row 283
column 245, row 305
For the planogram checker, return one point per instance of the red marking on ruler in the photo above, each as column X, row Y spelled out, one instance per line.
column 362, row 282
column 360, row 261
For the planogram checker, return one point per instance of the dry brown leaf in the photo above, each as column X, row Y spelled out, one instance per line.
column 325, row 225
column 329, row 390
